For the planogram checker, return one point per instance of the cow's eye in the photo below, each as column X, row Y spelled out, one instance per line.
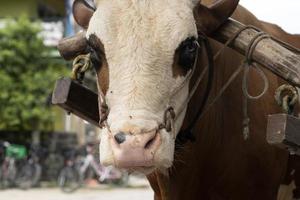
column 187, row 52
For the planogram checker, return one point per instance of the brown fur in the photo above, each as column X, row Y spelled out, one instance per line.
column 220, row 165
column 102, row 70
column 103, row 76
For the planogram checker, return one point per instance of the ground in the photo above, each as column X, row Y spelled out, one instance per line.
column 137, row 189
column 81, row 194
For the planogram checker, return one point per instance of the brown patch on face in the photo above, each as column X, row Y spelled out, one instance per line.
column 185, row 56
column 103, row 75
column 96, row 44
column 100, row 62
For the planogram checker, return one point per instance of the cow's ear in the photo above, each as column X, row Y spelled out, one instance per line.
column 210, row 18
column 82, row 12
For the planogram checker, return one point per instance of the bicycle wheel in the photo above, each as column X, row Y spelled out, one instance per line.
column 1, row 182
column 53, row 164
column 29, row 176
column 8, row 175
column 68, row 180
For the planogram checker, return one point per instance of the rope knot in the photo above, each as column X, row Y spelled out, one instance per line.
column 80, row 65
column 286, row 97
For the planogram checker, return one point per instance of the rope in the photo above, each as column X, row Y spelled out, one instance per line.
column 287, row 96
column 185, row 135
column 210, row 69
column 80, row 65
column 248, row 62
column 222, row 90
column 246, row 81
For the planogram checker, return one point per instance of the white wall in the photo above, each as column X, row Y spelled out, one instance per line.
column 283, row 13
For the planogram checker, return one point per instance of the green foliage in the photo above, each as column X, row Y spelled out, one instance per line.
column 27, row 76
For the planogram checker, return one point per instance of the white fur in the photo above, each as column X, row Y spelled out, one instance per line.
column 140, row 38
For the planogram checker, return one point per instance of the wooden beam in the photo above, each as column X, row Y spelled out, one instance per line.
column 77, row 99
column 268, row 52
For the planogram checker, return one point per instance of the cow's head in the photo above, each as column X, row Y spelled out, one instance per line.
column 147, row 48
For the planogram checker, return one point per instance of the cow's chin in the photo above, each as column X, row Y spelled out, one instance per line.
column 162, row 160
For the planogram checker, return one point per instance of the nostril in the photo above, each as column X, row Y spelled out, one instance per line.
column 120, row 137
column 150, row 142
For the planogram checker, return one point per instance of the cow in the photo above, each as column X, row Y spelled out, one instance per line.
column 148, row 57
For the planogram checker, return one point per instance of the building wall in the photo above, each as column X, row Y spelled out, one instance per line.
column 15, row 8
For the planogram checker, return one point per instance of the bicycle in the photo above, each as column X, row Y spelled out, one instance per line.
column 54, row 161
column 30, row 173
column 73, row 174
column 8, row 168
column 68, row 178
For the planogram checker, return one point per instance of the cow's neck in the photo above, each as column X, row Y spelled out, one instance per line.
column 221, row 164
column 216, row 164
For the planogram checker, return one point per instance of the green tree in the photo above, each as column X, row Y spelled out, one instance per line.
column 27, row 76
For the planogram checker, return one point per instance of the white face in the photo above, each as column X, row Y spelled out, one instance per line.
column 140, row 38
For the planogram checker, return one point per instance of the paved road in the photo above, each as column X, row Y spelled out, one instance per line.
column 82, row 194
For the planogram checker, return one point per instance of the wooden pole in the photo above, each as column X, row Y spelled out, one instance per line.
column 269, row 53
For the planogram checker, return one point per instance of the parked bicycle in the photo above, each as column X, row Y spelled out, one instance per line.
column 2, row 152
column 73, row 174
column 29, row 174
column 54, row 161
column 8, row 170
column 68, row 179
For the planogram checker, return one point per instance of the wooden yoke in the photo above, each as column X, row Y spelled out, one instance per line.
column 280, row 60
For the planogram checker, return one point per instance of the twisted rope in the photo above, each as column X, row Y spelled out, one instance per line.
column 80, row 65
column 287, row 96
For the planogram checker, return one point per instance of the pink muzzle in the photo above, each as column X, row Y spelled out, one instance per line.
column 135, row 150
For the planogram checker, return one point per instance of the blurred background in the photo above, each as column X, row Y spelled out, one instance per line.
column 284, row 13
column 43, row 149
